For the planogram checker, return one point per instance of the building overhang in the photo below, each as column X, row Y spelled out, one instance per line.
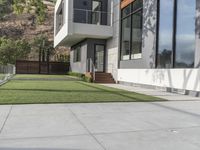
column 73, row 25
column 79, row 31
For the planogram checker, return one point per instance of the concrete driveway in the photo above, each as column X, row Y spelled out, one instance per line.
column 173, row 125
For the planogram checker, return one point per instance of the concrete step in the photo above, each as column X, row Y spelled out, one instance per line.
column 104, row 78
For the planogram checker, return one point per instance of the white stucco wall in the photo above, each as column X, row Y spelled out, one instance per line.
column 112, row 49
column 187, row 79
column 112, row 62
column 67, row 21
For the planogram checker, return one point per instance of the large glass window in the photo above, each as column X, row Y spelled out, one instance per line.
column 131, row 31
column 136, row 48
column 165, row 46
column 176, row 41
column 126, row 39
column 185, row 36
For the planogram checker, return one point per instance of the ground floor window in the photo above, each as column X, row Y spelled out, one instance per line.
column 136, row 46
column 176, row 34
column 131, row 31
column 77, row 54
column 126, row 39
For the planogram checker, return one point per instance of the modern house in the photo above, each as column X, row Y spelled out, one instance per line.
column 152, row 43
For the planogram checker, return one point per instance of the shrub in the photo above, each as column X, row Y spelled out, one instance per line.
column 75, row 74
column 87, row 79
column 11, row 50
column 81, row 76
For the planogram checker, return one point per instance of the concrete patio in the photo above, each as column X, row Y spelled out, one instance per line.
column 173, row 125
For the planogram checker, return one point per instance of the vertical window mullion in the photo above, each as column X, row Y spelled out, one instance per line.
column 157, row 32
column 174, row 34
column 184, row 55
column 131, row 38
column 165, row 35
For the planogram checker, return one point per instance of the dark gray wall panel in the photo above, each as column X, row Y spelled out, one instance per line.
column 81, row 66
column 87, row 51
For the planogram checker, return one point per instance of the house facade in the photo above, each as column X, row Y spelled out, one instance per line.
column 140, row 42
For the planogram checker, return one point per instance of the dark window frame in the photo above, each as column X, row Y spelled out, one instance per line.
column 131, row 46
column 77, row 54
column 174, row 38
column 131, row 20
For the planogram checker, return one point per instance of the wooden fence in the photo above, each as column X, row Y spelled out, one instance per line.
column 36, row 67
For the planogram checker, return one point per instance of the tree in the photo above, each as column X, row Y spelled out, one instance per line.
column 35, row 7
column 11, row 50
column 44, row 47
column 5, row 7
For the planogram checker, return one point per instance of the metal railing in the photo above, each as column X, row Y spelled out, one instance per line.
column 91, row 68
column 92, row 17
column 6, row 72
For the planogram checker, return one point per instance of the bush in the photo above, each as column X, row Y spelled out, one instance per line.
column 11, row 50
column 75, row 74
column 81, row 76
column 87, row 79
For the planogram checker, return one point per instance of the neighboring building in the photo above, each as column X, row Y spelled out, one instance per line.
column 142, row 42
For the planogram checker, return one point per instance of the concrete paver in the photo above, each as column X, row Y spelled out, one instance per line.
column 170, row 125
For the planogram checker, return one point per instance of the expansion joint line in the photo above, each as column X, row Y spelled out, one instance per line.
column 87, row 129
column 1, row 129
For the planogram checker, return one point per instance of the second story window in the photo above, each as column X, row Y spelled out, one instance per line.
column 96, row 12
column 91, row 12
column 60, row 17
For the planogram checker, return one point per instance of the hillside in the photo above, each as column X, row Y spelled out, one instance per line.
column 22, row 27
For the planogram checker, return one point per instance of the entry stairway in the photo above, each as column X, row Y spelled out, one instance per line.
column 101, row 77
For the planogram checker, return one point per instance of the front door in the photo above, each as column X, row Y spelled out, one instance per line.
column 99, row 57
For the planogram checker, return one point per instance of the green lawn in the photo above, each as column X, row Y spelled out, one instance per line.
column 33, row 76
column 2, row 76
column 62, row 91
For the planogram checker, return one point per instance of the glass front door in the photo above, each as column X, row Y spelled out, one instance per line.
column 99, row 57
